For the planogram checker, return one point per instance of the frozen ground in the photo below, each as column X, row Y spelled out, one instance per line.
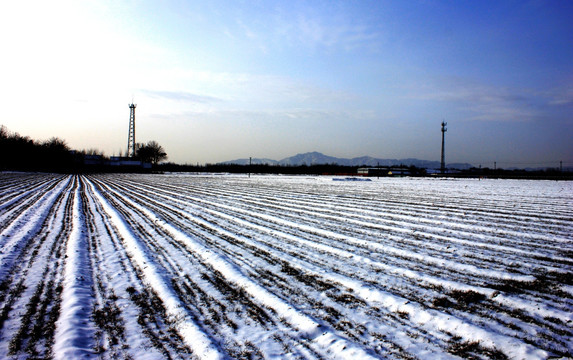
column 221, row 266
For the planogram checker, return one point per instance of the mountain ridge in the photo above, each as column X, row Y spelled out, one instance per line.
column 317, row 158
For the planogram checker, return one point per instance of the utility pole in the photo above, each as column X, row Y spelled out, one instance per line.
column 443, row 162
column 131, row 134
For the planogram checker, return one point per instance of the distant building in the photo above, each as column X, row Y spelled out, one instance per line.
column 385, row 171
column 128, row 162
column 94, row 160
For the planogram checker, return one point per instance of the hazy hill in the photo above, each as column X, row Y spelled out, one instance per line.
column 316, row 158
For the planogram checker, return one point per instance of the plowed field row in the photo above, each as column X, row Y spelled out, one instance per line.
column 221, row 266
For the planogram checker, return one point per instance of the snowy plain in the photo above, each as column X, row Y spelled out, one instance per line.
column 179, row 266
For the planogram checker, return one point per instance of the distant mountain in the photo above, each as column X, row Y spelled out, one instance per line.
column 254, row 161
column 311, row 158
column 316, row 158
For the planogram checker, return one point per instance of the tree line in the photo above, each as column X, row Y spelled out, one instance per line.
column 22, row 153
column 314, row 169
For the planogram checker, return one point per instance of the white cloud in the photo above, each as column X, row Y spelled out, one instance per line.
column 180, row 96
column 343, row 34
column 305, row 27
column 224, row 90
column 481, row 101
column 561, row 96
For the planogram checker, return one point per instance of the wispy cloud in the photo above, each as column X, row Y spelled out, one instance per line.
column 245, row 87
column 286, row 117
column 247, row 31
column 346, row 35
column 561, row 96
column 483, row 102
column 181, row 96
column 305, row 27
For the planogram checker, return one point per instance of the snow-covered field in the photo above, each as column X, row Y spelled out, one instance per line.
column 224, row 266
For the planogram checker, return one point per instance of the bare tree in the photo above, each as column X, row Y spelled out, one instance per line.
column 4, row 133
column 56, row 144
column 151, row 152
column 93, row 152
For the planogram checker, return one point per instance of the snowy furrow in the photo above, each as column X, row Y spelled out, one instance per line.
column 126, row 330
column 227, row 266
column 399, row 210
column 321, row 229
column 323, row 340
column 492, row 219
column 183, row 267
column 379, row 203
column 27, row 195
column 190, row 332
column 415, row 222
column 420, row 194
column 27, row 225
column 524, row 348
column 375, row 245
column 380, row 219
column 221, row 246
column 470, row 239
column 526, row 278
column 331, row 249
column 129, row 319
column 18, row 192
column 32, row 305
column 392, row 303
column 182, row 259
column 267, row 229
column 397, row 304
column 74, row 332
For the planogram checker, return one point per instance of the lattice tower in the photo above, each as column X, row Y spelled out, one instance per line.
column 131, row 134
column 443, row 160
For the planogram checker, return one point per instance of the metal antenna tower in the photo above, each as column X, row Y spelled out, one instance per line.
column 131, row 135
column 443, row 161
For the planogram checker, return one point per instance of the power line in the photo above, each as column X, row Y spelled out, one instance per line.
column 554, row 162
column 522, row 164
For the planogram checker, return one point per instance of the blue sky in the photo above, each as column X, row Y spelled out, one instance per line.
column 220, row 80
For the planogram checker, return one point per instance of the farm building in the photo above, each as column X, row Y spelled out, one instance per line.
column 130, row 162
column 385, row 171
